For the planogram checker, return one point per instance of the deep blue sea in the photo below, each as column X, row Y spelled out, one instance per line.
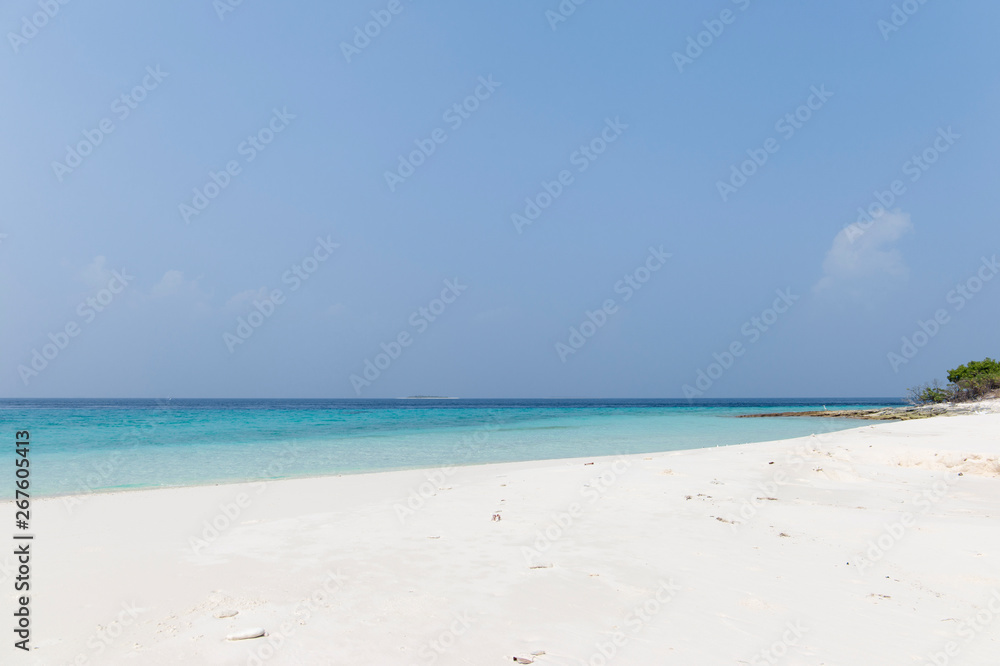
column 81, row 446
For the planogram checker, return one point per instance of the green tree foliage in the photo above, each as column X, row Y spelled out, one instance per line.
column 929, row 393
column 974, row 370
column 973, row 381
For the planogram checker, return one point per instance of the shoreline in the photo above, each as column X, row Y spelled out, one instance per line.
column 907, row 413
column 232, row 482
column 705, row 556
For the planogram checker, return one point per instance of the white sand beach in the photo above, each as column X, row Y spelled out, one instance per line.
column 876, row 545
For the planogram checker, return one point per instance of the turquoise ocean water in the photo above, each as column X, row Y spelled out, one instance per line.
column 81, row 446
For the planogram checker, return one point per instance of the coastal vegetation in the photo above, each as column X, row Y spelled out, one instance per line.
column 975, row 380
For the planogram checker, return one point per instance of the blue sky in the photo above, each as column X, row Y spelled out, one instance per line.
column 589, row 118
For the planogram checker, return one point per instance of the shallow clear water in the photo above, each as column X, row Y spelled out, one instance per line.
column 80, row 446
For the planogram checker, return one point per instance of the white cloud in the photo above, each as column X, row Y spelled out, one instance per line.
column 170, row 283
column 244, row 300
column 173, row 284
column 96, row 274
column 866, row 255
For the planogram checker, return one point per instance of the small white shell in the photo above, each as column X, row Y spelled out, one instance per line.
column 246, row 634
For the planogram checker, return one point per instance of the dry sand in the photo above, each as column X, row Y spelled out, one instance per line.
column 878, row 545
